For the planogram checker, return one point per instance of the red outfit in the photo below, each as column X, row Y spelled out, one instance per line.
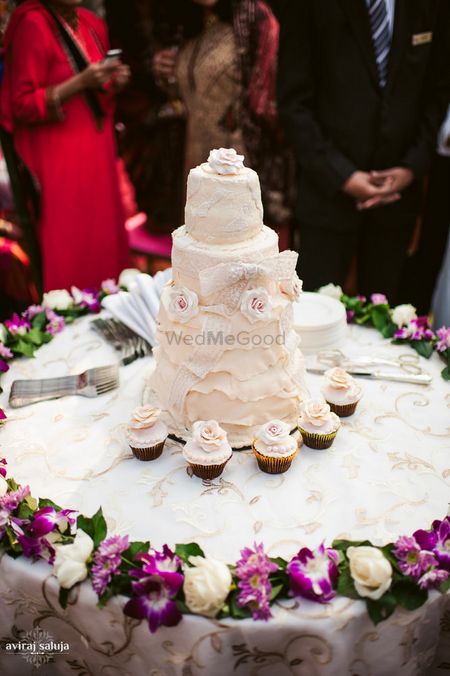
column 81, row 227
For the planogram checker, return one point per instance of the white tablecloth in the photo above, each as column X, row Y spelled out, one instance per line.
column 388, row 473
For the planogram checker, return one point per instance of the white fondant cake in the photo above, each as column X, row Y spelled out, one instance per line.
column 227, row 348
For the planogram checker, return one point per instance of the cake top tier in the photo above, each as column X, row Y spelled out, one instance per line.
column 223, row 200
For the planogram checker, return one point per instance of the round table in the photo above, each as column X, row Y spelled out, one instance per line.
column 388, row 473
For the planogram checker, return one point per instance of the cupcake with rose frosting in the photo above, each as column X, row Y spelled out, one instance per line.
column 317, row 424
column 208, row 451
column 341, row 392
column 274, row 447
column 146, row 433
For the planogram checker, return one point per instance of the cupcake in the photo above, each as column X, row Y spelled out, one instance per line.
column 208, row 451
column 317, row 424
column 274, row 447
column 146, row 434
column 341, row 392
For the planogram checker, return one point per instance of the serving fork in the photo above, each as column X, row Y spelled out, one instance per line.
column 123, row 339
column 90, row 383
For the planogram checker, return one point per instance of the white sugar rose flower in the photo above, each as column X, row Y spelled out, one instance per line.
column 315, row 411
column 370, row 570
column 208, row 434
column 59, row 299
column 339, row 379
column 3, row 486
column 127, row 278
column 70, row 560
column 331, row 290
column 225, row 161
column 144, row 416
column 256, row 305
column 206, row 585
column 292, row 288
column 183, row 304
column 273, row 432
column 403, row 314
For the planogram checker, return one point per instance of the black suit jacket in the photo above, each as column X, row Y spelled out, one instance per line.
column 337, row 117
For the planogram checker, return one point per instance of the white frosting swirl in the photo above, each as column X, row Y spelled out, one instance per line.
column 256, row 305
column 316, row 417
column 145, row 428
column 225, row 161
column 182, row 304
column 341, row 387
column 273, row 439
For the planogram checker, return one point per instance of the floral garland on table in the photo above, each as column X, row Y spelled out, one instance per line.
column 162, row 586
column 400, row 323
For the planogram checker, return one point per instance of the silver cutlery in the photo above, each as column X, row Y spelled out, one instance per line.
column 416, row 379
column 91, row 383
column 405, row 362
column 130, row 345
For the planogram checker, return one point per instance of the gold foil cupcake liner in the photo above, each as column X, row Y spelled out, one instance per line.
column 273, row 465
column 148, row 453
column 343, row 410
column 208, row 471
column 317, row 441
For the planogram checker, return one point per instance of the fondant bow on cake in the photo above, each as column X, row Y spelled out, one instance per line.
column 225, row 275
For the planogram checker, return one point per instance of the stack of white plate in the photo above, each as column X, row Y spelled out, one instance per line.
column 321, row 322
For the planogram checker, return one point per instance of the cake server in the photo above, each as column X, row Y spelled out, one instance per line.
column 91, row 383
column 419, row 379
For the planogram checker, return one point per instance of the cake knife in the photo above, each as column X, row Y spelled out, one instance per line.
column 419, row 379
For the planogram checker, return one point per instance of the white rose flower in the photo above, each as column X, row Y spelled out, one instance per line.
column 59, row 299
column 183, row 304
column 3, row 486
column 70, row 560
column 208, row 434
column 256, row 305
column 331, row 290
column 127, row 278
column 292, row 288
column 315, row 411
column 225, row 161
column 144, row 417
column 206, row 585
column 403, row 314
column 370, row 570
column 3, row 333
column 274, row 432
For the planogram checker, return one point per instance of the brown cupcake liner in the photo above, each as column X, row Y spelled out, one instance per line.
column 273, row 465
column 317, row 441
column 343, row 410
column 208, row 471
column 148, row 453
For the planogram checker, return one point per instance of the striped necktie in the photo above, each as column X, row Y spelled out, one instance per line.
column 381, row 36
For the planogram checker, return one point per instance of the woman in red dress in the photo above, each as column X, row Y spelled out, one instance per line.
column 57, row 101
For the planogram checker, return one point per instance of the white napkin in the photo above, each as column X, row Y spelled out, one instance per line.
column 139, row 308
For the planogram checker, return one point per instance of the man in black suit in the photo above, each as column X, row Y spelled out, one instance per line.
column 363, row 88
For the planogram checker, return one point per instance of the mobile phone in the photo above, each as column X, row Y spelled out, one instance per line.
column 112, row 54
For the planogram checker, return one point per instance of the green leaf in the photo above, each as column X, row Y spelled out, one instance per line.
column 24, row 511
column 135, row 548
column 95, row 526
column 45, row 502
column 276, row 591
column 380, row 317
column 445, row 373
column 423, row 347
column 191, row 549
column 281, row 563
column 408, row 594
column 24, row 348
column 236, row 611
column 63, row 597
column 345, row 544
column 382, row 609
column 445, row 586
column 345, row 585
column 389, row 330
column 13, row 485
column 40, row 321
column 36, row 336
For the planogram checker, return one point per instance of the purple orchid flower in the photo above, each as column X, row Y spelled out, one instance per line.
column 12, row 500
column 153, row 600
column 2, row 469
column 109, row 287
column 2, row 415
column 55, row 323
column 313, row 574
column 412, row 559
column 5, row 352
column 17, row 326
column 433, row 578
column 253, row 570
column 444, row 339
column 361, row 298
column 107, row 560
column 32, row 312
column 417, row 329
column 36, row 548
column 379, row 299
column 47, row 519
column 437, row 541
column 3, row 366
column 350, row 315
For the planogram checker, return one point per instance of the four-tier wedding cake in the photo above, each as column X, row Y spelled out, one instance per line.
column 227, row 349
